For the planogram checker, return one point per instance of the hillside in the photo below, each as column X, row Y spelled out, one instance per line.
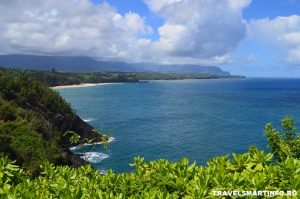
column 33, row 121
column 54, row 78
column 87, row 64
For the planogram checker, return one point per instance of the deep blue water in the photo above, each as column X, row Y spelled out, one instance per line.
column 197, row 119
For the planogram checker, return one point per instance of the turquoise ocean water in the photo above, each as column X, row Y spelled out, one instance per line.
column 197, row 119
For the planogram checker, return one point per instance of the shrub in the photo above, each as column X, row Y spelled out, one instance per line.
column 283, row 144
column 253, row 170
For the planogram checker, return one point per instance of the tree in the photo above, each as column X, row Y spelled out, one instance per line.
column 283, row 144
column 7, row 112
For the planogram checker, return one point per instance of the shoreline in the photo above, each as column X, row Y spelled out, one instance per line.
column 140, row 81
column 81, row 85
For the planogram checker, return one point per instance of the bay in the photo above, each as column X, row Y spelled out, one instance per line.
column 197, row 119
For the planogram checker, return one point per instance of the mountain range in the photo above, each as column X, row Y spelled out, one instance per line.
column 88, row 64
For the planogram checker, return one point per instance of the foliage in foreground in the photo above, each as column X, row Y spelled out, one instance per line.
column 253, row 170
column 284, row 144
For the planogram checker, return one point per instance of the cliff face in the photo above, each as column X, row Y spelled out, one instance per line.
column 33, row 122
column 67, row 121
column 63, row 122
column 76, row 124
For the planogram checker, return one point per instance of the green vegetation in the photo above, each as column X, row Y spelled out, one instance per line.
column 24, row 135
column 178, row 76
column 24, row 91
column 156, row 179
column 33, row 119
column 60, row 78
column 54, row 78
column 286, row 144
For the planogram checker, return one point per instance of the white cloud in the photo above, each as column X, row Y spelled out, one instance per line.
column 67, row 27
column 201, row 31
column 194, row 31
column 158, row 5
column 239, row 4
column 282, row 34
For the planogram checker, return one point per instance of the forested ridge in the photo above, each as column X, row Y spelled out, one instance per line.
column 33, row 121
column 56, row 78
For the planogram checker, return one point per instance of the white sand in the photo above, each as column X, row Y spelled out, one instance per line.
column 80, row 85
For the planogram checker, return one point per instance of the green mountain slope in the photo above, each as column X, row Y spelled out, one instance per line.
column 87, row 64
column 33, row 121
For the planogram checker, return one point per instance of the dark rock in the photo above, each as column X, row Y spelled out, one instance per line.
column 68, row 122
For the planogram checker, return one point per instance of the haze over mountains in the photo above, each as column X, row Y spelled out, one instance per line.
column 87, row 64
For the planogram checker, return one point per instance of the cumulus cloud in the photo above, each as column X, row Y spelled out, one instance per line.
column 70, row 27
column 281, row 33
column 194, row 31
column 201, row 30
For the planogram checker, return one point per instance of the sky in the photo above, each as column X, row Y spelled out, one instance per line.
column 256, row 38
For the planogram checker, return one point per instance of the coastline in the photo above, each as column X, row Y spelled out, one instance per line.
column 141, row 81
column 79, row 85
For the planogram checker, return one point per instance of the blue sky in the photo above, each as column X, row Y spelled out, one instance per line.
column 256, row 10
column 246, row 37
column 271, row 8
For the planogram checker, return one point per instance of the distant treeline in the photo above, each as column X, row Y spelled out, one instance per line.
column 55, row 78
column 179, row 76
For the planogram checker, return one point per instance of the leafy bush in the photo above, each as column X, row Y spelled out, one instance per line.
column 10, row 175
column 7, row 112
column 285, row 144
column 159, row 179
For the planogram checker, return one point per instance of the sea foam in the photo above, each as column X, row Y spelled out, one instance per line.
column 89, row 119
column 94, row 157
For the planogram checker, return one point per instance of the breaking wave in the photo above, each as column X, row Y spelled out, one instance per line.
column 89, row 119
column 94, row 157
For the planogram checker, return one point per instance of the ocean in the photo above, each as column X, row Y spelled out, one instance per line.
column 197, row 119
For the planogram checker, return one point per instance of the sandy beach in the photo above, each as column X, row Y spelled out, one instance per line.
column 80, row 85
